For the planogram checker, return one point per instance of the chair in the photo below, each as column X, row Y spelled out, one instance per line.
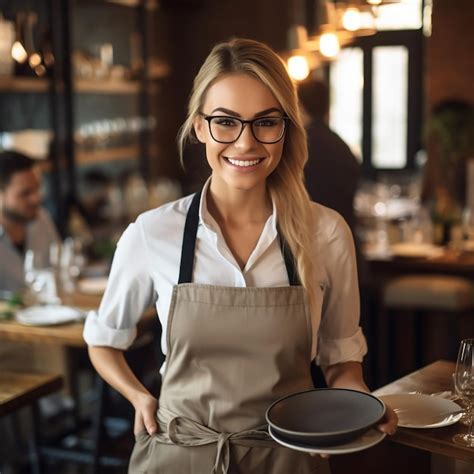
column 18, row 390
column 422, row 296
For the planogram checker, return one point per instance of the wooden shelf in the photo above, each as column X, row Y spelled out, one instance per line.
column 149, row 4
column 92, row 86
column 125, row 153
column 23, row 84
column 107, row 154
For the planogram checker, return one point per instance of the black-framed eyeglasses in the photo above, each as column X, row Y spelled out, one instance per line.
column 226, row 129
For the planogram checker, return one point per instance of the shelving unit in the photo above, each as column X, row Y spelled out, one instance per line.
column 66, row 94
column 109, row 87
column 108, row 154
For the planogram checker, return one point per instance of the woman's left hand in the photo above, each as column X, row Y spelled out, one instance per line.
column 389, row 422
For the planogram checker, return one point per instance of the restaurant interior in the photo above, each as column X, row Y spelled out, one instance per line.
column 95, row 91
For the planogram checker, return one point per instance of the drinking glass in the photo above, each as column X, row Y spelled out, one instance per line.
column 464, row 386
column 40, row 278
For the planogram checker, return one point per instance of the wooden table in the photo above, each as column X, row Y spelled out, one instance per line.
column 436, row 377
column 409, row 451
column 20, row 389
column 68, row 335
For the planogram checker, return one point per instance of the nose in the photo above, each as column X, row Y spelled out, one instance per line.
column 246, row 139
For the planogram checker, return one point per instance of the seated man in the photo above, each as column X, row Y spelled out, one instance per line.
column 24, row 224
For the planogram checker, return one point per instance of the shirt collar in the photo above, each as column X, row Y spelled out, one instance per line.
column 206, row 219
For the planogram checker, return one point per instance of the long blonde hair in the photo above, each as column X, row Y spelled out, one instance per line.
column 286, row 183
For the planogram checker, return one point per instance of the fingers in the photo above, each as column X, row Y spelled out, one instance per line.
column 138, row 425
column 145, row 415
column 149, row 421
column 389, row 422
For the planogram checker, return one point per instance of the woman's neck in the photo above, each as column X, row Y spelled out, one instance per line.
column 237, row 206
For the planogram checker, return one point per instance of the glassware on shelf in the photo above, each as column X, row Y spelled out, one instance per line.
column 464, row 387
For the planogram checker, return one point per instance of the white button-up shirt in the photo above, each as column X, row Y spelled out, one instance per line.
column 146, row 267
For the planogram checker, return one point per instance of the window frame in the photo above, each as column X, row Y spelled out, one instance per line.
column 413, row 41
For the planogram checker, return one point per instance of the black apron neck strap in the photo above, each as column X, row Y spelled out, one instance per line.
column 289, row 262
column 189, row 245
column 189, row 241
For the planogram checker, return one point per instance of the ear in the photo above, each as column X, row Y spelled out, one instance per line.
column 199, row 130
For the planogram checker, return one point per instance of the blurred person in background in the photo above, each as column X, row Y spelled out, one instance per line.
column 332, row 171
column 24, row 223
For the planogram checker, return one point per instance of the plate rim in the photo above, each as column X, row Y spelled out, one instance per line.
column 334, row 450
column 440, row 424
column 331, row 433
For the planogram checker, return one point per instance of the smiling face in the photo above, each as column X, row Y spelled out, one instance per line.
column 245, row 163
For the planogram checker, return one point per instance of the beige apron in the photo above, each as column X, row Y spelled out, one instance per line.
column 231, row 353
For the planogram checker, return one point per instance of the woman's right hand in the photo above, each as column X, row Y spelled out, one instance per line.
column 145, row 414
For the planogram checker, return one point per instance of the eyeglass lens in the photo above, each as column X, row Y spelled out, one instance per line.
column 265, row 129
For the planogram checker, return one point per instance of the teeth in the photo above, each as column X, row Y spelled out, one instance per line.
column 244, row 163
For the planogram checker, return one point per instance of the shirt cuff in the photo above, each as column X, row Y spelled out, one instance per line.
column 337, row 351
column 97, row 333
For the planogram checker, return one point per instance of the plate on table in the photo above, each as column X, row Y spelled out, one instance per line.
column 413, row 250
column 48, row 315
column 417, row 410
column 367, row 440
column 92, row 286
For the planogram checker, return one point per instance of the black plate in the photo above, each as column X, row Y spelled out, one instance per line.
column 324, row 417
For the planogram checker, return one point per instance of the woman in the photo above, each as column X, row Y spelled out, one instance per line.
column 224, row 267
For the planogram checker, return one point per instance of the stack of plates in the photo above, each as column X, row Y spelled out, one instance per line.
column 326, row 421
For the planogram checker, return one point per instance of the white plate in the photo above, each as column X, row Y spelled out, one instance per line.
column 48, row 315
column 367, row 440
column 416, row 410
column 413, row 250
column 92, row 286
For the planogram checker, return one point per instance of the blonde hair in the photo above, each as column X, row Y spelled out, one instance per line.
column 286, row 183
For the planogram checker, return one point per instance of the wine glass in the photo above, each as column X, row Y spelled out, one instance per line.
column 464, row 386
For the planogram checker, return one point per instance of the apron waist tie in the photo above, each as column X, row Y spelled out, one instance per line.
column 183, row 431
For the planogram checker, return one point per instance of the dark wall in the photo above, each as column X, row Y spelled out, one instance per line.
column 449, row 52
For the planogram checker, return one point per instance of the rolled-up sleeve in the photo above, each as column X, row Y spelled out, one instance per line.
column 128, row 294
column 340, row 338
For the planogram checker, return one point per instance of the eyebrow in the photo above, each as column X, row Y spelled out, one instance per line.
column 263, row 113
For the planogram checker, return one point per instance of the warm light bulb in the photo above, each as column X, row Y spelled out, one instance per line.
column 351, row 19
column 34, row 60
column 298, row 67
column 329, row 45
column 374, row 2
column 19, row 53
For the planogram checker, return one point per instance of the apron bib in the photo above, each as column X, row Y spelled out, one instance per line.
column 231, row 353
